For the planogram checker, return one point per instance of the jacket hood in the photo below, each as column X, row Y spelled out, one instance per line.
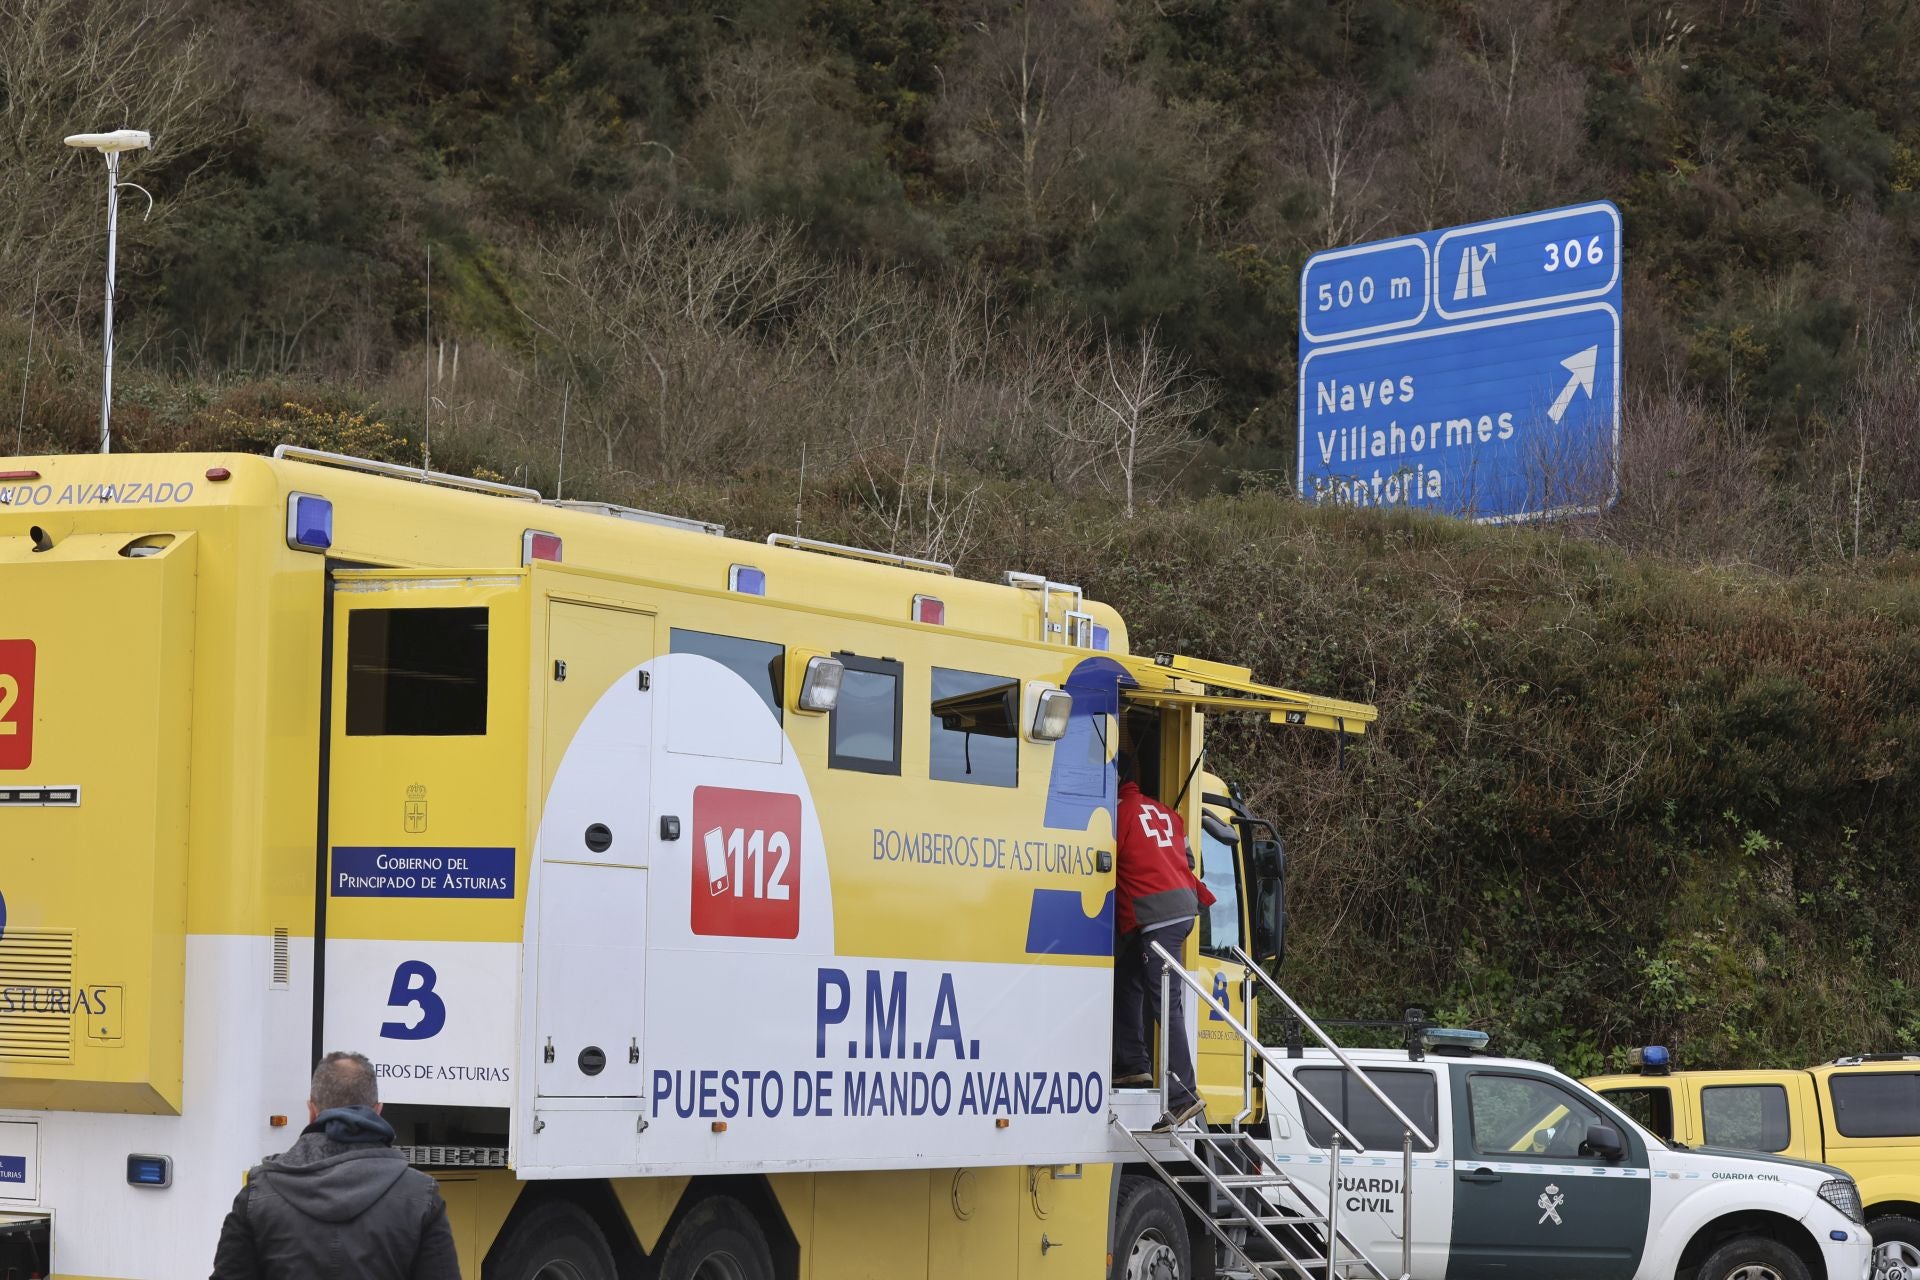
column 340, row 1166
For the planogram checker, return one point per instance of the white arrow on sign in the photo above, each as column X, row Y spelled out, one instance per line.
column 1581, row 367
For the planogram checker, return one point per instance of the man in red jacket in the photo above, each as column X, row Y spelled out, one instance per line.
column 1156, row 898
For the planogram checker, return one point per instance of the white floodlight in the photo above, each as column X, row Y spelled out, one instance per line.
column 111, row 145
column 118, row 140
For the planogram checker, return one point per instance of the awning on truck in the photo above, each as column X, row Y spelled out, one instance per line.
column 1229, row 688
column 20, row 1223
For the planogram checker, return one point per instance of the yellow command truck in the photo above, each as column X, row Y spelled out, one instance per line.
column 709, row 908
column 1860, row 1114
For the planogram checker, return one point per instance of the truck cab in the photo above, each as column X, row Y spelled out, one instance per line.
column 1860, row 1114
column 1519, row 1170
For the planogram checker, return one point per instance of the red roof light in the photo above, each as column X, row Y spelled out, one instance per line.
column 536, row 545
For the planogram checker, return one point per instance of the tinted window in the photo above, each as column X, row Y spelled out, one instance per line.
column 1220, row 923
column 865, row 727
column 1414, row 1092
column 763, row 666
column 417, row 672
column 1877, row 1104
column 1520, row 1115
column 1652, row 1107
column 1752, row 1117
column 974, row 729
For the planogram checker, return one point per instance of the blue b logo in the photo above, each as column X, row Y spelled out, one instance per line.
column 1220, row 998
column 413, row 987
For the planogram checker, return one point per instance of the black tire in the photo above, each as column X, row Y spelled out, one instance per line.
column 1758, row 1257
column 1896, row 1243
column 556, row 1241
column 717, row 1240
column 1150, row 1239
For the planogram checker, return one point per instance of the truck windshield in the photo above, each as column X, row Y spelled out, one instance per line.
column 1219, row 923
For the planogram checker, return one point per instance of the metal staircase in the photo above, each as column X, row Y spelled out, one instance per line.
column 1266, row 1224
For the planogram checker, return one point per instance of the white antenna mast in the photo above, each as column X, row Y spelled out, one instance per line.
column 111, row 145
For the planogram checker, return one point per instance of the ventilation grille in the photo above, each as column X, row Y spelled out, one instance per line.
column 282, row 964
column 36, row 995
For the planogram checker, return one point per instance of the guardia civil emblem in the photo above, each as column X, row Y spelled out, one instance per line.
column 1550, row 1202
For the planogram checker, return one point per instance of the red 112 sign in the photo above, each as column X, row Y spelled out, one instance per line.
column 16, row 704
column 746, row 863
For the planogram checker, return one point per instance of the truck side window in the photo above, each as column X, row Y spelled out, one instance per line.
column 1414, row 1092
column 1652, row 1107
column 1522, row 1115
column 1751, row 1117
column 974, row 729
column 1875, row 1104
column 864, row 730
column 761, row 664
column 417, row 673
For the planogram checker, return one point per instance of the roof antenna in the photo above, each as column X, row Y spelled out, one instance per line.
column 566, row 395
column 800, row 496
column 26, row 370
column 426, row 447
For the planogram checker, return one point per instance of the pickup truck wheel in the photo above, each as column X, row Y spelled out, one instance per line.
column 1753, row 1258
column 1150, row 1235
column 1896, row 1247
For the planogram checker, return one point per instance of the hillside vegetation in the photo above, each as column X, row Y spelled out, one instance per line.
column 1016, row 286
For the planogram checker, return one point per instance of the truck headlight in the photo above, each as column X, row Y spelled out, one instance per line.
column 1844, row 1196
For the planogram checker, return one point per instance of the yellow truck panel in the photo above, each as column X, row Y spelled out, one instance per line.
column 524, row 801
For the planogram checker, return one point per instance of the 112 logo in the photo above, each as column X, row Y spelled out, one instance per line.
column 746, row 863
column 16, row 703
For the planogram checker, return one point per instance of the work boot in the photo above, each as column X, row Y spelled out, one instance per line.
column 1180, row 1115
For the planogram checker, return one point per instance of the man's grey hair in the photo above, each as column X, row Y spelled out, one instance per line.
column 344, row 1080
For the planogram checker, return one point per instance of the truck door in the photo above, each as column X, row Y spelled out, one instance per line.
column 424, row 829
column 586, row 937
column 1528, row 1200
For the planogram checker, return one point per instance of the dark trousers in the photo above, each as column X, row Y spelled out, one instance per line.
column 1136, row 1010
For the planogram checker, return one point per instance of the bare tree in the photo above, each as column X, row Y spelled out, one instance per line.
column 72, row 66
column 1329, row 152
column 1138, row 402
column 1028, row 95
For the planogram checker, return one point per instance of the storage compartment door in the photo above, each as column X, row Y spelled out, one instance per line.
column 591, row 994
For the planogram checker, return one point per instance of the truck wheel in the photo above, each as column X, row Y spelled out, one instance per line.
column 1753, row 1258
column 557, row 1241
column 1149, row 1233
column 1896, row 1247
column 717, row 1240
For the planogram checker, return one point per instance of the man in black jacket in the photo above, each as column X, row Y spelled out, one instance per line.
column 341, row 1201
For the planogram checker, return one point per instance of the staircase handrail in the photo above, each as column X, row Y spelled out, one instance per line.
column 1293, row 1008
column 1173, row 966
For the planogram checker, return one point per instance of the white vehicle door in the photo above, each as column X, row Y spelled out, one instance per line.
column 1369, row 1200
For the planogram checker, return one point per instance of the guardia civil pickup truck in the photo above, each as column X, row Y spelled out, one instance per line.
column 1522, row 1173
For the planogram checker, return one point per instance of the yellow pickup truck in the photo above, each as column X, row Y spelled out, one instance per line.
column 1860, row 1114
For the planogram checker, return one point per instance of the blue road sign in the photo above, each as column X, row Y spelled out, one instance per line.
column 1473, row 370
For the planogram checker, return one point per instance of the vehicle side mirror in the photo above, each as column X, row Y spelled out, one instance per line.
column 1604, row 1140
column 1270, row 922
column 1266, row 860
